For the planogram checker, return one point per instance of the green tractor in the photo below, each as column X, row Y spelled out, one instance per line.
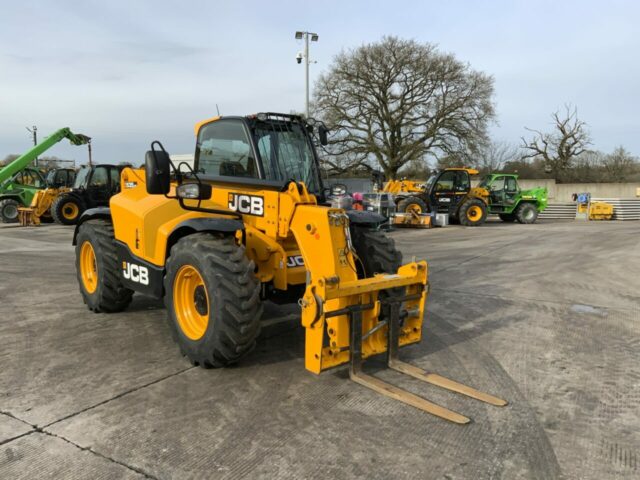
column 18, row 190
column 509, row 202
column 19, row 182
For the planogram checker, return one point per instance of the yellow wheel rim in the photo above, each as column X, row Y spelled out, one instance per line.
column 474, row 212
column 414, row 207
column 191, row 302
column 70, row 210
column 88, row 267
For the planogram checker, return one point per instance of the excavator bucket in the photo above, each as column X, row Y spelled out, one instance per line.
column 348, row 319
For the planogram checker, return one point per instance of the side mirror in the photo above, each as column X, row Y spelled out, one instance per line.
column 157, row 172
column 322, row 134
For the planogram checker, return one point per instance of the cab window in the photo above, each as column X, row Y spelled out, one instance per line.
column 511, row 184
column 463, row 184
column 100, row 177
column 115, row 179
column 223, row 149
column 497, row 185
column 446, row 181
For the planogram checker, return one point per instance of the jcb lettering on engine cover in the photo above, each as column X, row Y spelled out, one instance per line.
column 295, row 261
column 247, row 204
column 135, row 273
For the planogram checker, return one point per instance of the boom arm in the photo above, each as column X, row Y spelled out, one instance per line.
column 30, row 155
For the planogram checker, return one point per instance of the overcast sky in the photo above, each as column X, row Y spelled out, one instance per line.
column 129, row 72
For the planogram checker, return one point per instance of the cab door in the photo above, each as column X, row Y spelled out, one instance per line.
column 497, row 191
column 98, row 189
column 511, row 190
column 114, row 180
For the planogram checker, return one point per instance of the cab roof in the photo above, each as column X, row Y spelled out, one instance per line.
column 283, row 117
column 470, row 171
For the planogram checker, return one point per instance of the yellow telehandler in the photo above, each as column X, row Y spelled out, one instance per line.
column 446, row 191
column 247, row 224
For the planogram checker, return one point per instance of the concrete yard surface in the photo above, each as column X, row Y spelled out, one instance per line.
column 545, row 316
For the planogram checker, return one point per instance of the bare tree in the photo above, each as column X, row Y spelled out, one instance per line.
column 586, row 168
column 396, row 101
column 619, row 165
column 495, row 155
column 8, row 159
column 559, row 148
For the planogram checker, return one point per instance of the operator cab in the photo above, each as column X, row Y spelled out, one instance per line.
column 100, row 182
column 61, row 177
column 447, row 188
column 503, row 189
column 267, row 149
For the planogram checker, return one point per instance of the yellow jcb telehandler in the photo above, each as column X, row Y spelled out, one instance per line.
column 446, row 191
column 247, row 224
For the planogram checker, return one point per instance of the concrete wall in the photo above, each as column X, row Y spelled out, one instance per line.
column 562, row 192
column 558, row 192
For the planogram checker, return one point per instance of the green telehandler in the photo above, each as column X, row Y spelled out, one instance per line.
column 509, row 202
column 19, row 182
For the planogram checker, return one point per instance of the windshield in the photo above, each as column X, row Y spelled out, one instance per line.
column 286, row 153
column 430, row 181
column 485, row 181
column 81, row 177
column 51, row 177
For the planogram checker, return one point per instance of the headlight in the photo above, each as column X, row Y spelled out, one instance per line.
column 338, row 189
column 194, row 191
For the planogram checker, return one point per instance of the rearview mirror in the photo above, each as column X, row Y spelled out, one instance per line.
column 322, row 134
column 157, row 172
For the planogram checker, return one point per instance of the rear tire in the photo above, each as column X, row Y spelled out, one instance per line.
column 66, row 209
column 100, row 282
column 412, row 203
column 507, row 217
column 9, row 210
column 527, row 213
column 472, row 213
column 213, row 299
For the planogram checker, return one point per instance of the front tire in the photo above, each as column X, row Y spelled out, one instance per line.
column 97, row 268
column 527, row 213
column 9, row 210
column 377, row 254
column 212, row 298
column 66, row 209
column 472, row 213
column 376, row 251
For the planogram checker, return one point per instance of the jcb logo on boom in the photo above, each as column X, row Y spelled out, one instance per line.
column 135, row 273
column 295, row 261
column 248, row 204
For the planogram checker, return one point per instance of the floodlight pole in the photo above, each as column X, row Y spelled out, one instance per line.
column 34, row 132
column 306, row 73
column 307, row 61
